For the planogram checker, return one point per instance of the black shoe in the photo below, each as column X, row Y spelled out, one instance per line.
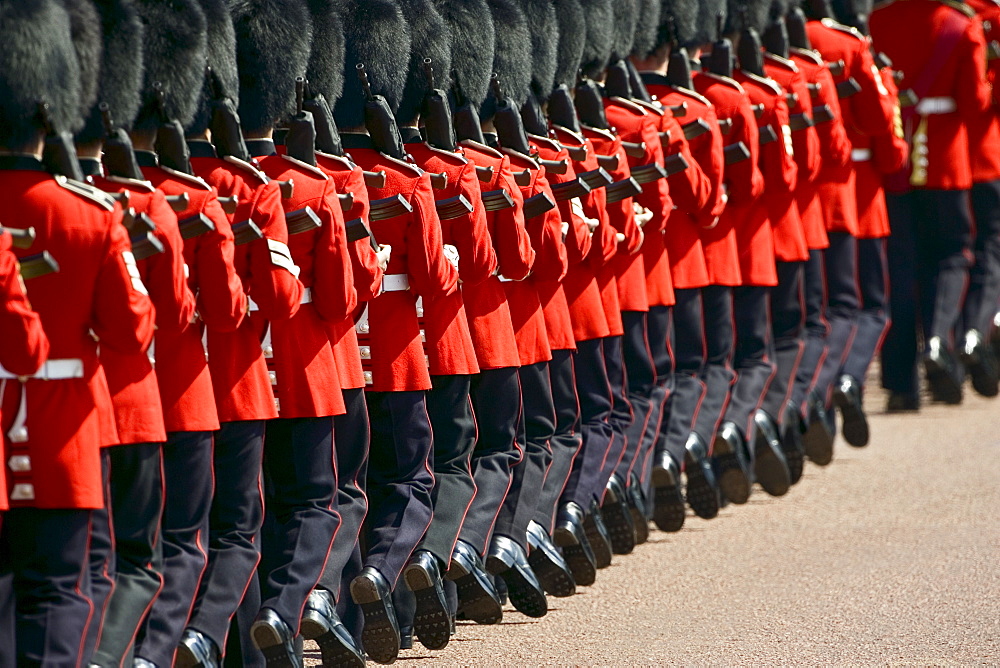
column 847, row 397
column 637, row 506
column 770, row 467
column 572, row 538
column 273, row 637
column 507, row 560
column 732, row 464
column 139, row 662
column 702, row 488
column 617, row 517
column 981, row 364
column 196, row 650
column 901, row 402
column 597, row 534
column 791, row 443
column 432, row 620
column 478, row 599
column 548, row 564
column 321, row 623
column 943, row 372
column 373, row 594
column 817, row 439
column 405, row 639
column 668, row 502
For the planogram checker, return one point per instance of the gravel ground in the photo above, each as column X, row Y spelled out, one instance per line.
column 888, row 556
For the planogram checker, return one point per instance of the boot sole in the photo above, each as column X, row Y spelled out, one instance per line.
column 855, row 427
column 733, row 480
column 984, row 382
column 818, row 444
column 619, row 522
column 525, row 598
column 583, row 569
column 772, row 473
column 379, row 638
column 943, row 386
column 668, row 504
column 334, row 653
column 702, row 496
column 431, row 621
column 641, row 524
column 555, row 580
column 475, row 603
column 598, row 543
column 267, row 640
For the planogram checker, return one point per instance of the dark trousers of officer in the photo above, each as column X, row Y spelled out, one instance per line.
column 44, row 608
column 565, row 442
column 659, row 328
column 594, row 393
column 641, row 376
column 188, row 488
column 621, row 410
column 101, row 560
column 233, row 527
column 450, row 411
column 983, row 297
column 535, row 431
column 350, row 443
column 842, row 304
column 496, row 400
column 399, row 480
column 928, row 270
column 873, row 318
column 718, row 376
column 300, row 520
column 787, row 320
column 688, row 344
column 816, row 330
column 136, row 508
column 751, row 361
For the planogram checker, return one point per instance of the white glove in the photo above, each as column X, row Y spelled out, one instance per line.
column 382, row 255
column 642, row 214
column 451, row 254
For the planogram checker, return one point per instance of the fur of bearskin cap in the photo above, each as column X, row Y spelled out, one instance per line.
column 85, row 26
column 756, row 15
column 512, row 58
column 37, row 64
column 706, row 24
column 473, row 45
column 430, row 37
column 646, row 27
column 600, row 17
column 175, row 42
column 120, row 78
column 851, row 12
column 326, row 59
column 776, row 10
column 626, row 13
column 572, row 35
column 273, row 40
column 379, row 38
column 678, row 22
column 221, row 57
column 544, row 28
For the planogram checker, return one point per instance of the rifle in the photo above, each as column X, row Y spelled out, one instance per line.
column 303, row 220
column 171, row 147
column 466, row 119
column 695, row 128
column 532, row 116
column 596, row 178
column 37, row 265
column 616, row 83
column 20, row 238
column 562, row 111
column 720, row 62
column 327, row 135
column 389, row 207
column 537, row 205
column 735, row 153
column 510, row 128
column 608, row 162
column 795, row 27
column 623, row 189
column 119, row 154
column 436, row 114
column 379, row 121
column 679, row 69
column 356, row 231
column 141, row 230
column 497, row 200
column 59, row 154
column 570, row 189
column 648, row 173
column 675, row 163
column 300, row 140
column 246, row 231
column 227, row 135
column 589, row 105
column 453, row 207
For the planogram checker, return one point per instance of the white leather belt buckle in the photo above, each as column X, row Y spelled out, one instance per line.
column 307, row 296
column 395, row 283
column 861, row 155
column 52, row 370
column 933, row 106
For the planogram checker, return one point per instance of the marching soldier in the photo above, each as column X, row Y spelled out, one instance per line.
column 51, row 418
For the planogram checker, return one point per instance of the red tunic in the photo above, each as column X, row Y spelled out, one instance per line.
column 390, row 337
column 97, row 290
column 984, row 130
column 189, row 399
column 487, row 308
column 305, row 370
column 449, row 344
column 239, row 370
column 348, row 178
column 895, row 28
column 135, row 393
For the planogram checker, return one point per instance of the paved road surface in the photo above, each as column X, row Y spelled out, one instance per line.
column 891, row 555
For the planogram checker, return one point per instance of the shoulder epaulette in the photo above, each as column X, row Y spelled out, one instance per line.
column 650, row 107
column 247, row 167
column 629, row 105
column 458, row 158
column 605, row 134
column 853, row 32
column 482, row 148
column 187, row 178
column 522, row 160
column 403, row 166
column 306, row 167
column 732, row 83
column 693, row 95
column 770, row 83
column 883, row 3
column 784, row 62
column 137, row 184
column 808, row 54
column 87, row 192
column 959, row 6
column 547, row 142
column 343, row 161
column 576, row 137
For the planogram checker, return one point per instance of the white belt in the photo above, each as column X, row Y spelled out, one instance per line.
column 861, row 155
column 395, row 283
column 504, row 279
column 52, row 370
column 307, row 297
column 932, row 106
